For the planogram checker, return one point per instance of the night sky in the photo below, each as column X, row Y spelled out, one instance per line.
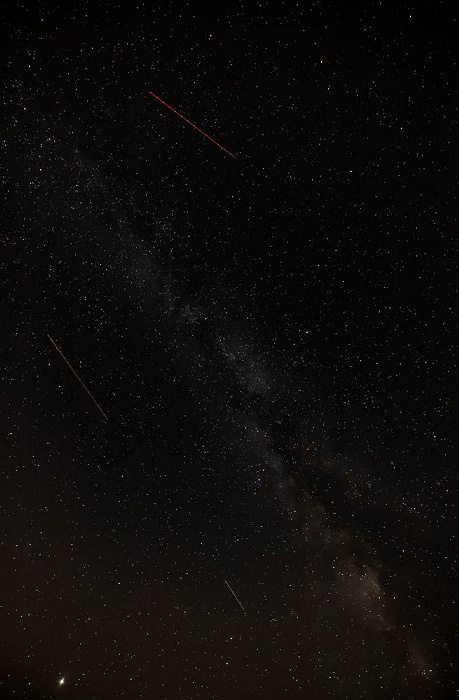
column 257, row 501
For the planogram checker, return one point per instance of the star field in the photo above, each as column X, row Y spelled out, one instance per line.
column 258, row 501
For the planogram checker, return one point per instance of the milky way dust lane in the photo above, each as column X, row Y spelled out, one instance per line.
column 76, row 375
column 193, row 125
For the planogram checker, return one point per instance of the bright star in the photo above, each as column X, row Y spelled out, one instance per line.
column 61, row 681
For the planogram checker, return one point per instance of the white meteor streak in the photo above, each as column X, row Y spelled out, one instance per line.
column 234, row 594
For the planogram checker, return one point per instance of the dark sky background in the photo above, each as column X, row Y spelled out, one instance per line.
column 272, row 337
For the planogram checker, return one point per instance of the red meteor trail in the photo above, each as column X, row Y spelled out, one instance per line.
column 193, row 125
column 76, row 375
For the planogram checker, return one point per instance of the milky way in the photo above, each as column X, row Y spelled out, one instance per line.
column 267, row 513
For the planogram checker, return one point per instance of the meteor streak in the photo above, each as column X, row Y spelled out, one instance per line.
column 76, row 375
column 234, row 594
column 193, row 125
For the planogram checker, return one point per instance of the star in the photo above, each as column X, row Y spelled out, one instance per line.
column 61, row 681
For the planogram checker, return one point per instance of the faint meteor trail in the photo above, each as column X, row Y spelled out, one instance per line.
column 193, row 125
column 76, row 375
column 234, row 594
